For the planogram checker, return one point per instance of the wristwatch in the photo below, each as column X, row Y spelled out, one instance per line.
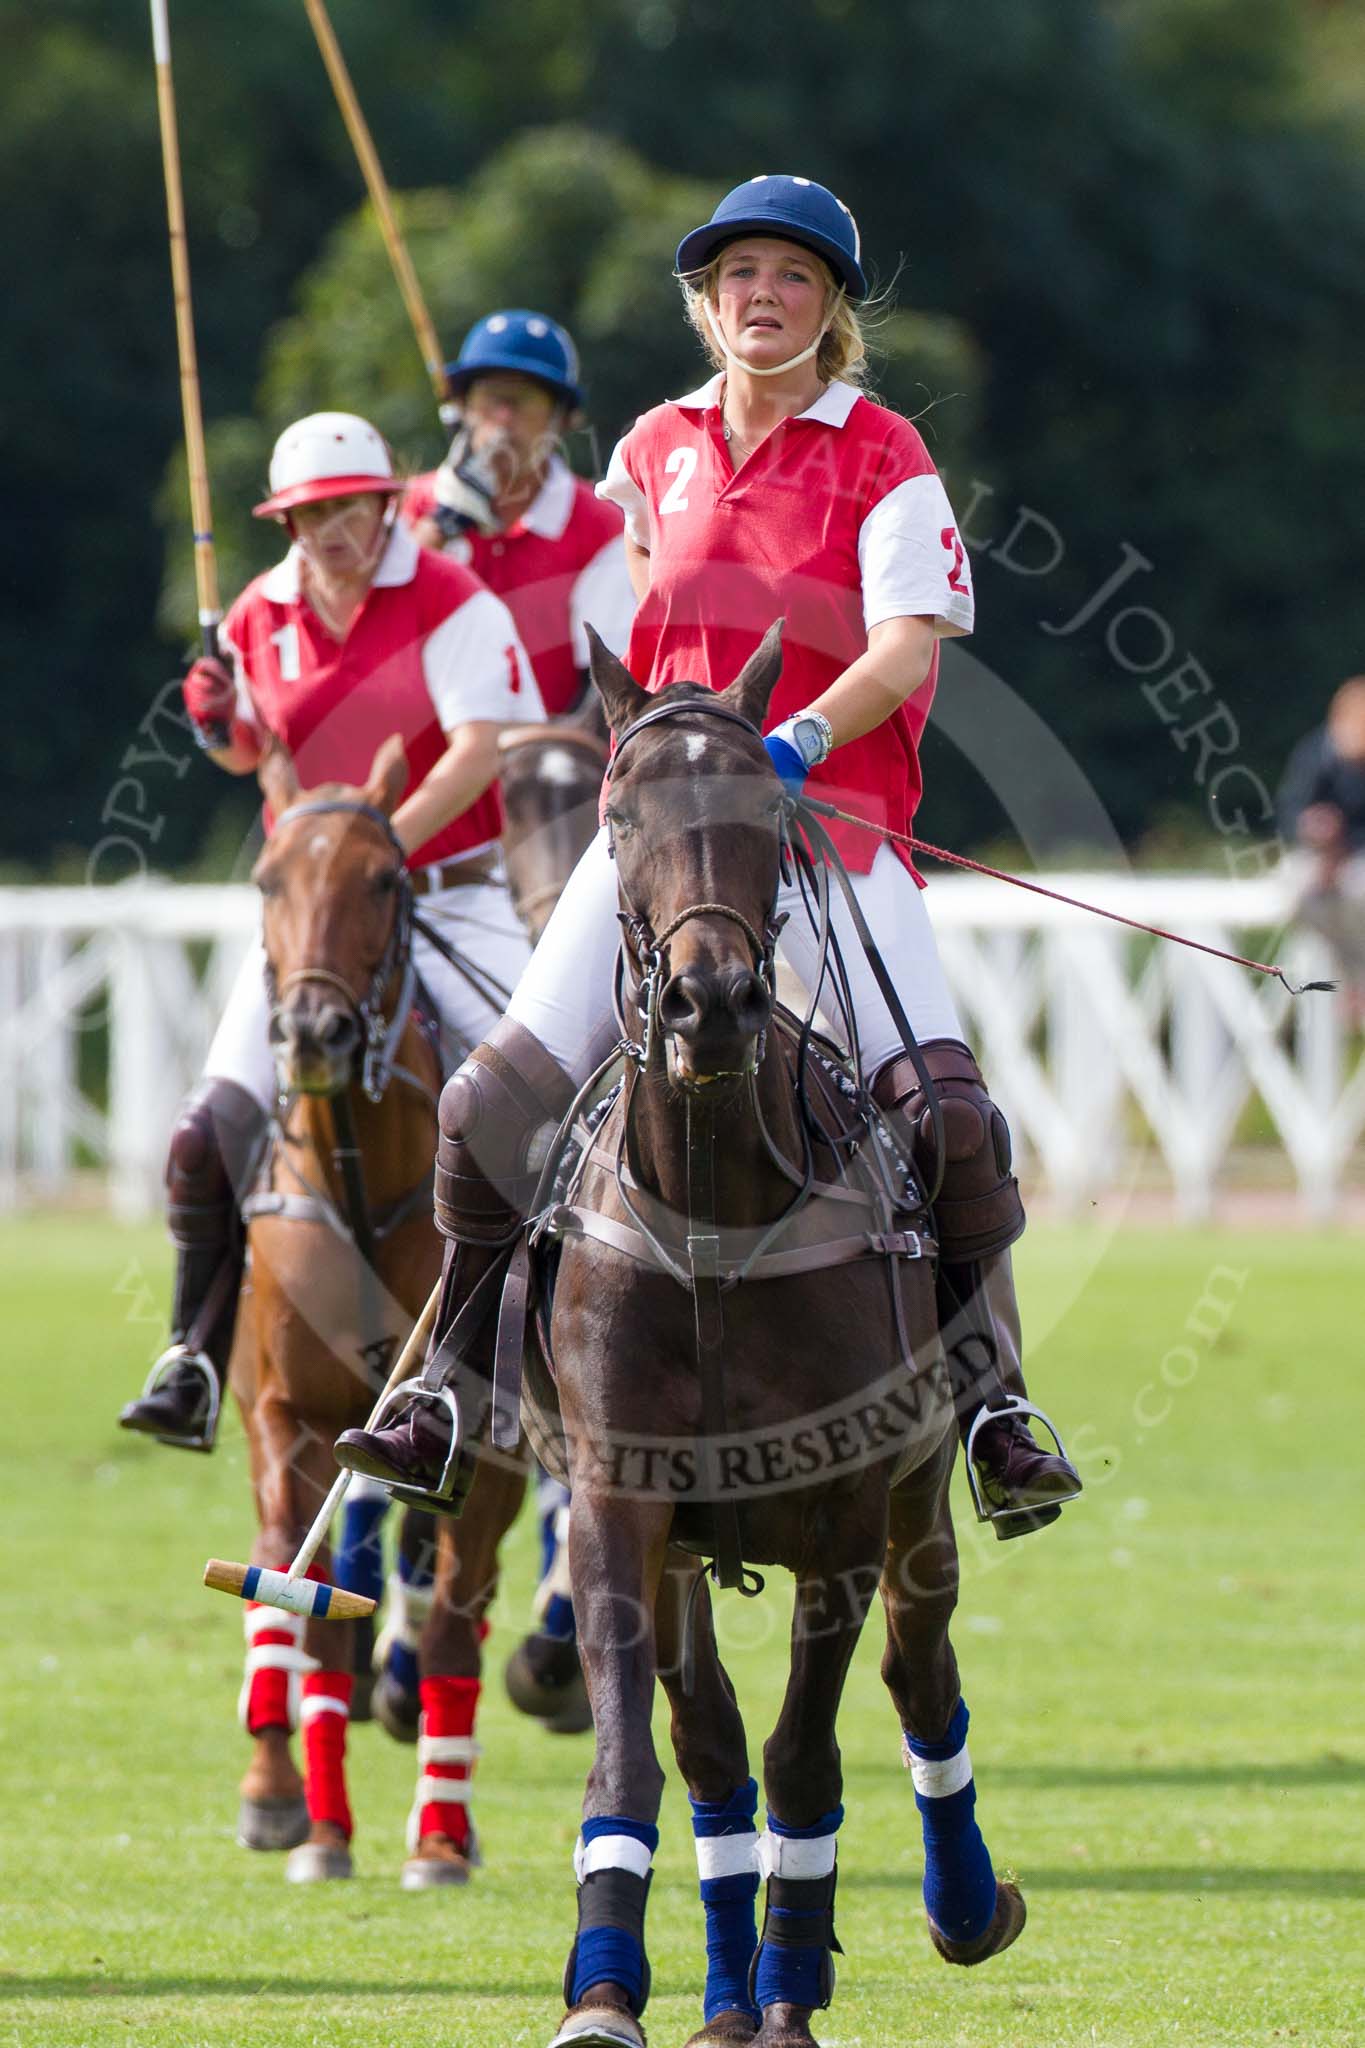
column 812, row 736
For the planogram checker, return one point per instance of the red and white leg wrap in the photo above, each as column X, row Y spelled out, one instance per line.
column 276, row 1665
column 446, row 1750
column 326, row 1712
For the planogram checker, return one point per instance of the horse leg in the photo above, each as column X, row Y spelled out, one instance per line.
column 543, row 1676
column 971, row 1915
column 803, row 1779
column 273, row 1813
column 397, row 1695
column 617, row 1547
column 709, row 1743
column 360, row 1569
column 442, row 1844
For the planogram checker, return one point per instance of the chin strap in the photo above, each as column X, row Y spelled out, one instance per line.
column 792, row 362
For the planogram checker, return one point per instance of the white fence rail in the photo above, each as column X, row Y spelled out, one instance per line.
column 1111, row 1055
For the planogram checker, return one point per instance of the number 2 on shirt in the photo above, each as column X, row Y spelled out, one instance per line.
column 684, row 461
column 954, row 546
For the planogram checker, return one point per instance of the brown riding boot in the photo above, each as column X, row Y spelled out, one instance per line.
column 214, row 1151
column 498, row 1114
column 978, row 1214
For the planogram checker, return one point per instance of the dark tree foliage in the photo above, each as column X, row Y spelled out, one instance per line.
column 1137, row 232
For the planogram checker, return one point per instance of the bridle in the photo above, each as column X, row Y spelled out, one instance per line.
column 379, row 1033
column 648, row 951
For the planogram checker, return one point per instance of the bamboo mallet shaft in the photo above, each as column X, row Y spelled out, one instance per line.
column 291, row 1589
column 377, row 186
column 205, row 561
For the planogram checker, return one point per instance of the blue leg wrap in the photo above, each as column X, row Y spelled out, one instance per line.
column 359, row 1562
column 793, row 1965
column 728, row 1898
column 610, row 1945
column 550, row 1498
column 401, row 1662
column 959, row 1880
column 557, row 1620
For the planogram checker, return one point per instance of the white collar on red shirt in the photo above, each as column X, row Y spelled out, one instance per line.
column 397, row 564
column 831, row 408
column 548, row 513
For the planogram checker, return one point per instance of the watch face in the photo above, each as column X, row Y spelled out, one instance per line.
column 809, row 740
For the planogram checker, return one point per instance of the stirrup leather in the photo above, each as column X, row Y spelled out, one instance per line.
column 1011, row 1404
column 448, row 1495
column 198, row 1361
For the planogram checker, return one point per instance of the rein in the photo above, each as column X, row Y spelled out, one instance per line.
column 1154, row 931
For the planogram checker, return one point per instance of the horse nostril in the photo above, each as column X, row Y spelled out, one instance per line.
column 336, row 1030
column 682, row 1005
column 749, row 1002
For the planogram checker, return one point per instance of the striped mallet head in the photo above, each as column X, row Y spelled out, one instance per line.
column 313, row 1598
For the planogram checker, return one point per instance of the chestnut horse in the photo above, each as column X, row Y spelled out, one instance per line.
column 343, row 1254
column 746, row 1367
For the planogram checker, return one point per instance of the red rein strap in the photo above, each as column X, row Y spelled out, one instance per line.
column 977, row 867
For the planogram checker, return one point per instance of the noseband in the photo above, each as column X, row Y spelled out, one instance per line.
column 649, row 950
column 379, row 1034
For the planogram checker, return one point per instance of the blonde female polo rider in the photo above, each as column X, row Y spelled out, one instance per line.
column 358, row 633
column 777, row 488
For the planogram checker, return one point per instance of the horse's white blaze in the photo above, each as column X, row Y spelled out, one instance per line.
column 317, row 845
column 557, row 766
column 696, row 746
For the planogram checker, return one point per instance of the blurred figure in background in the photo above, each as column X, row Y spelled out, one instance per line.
column 507, row 504
column 1322, row 817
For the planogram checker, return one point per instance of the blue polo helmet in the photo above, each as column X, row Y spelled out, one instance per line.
column 531, row 344
column 798, row 210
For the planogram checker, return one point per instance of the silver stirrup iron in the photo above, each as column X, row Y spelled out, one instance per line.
column 445, row 1487
column 1012, row 1405
column 179, row 1354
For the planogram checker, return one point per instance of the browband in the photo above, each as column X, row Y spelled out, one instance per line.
column 663, row 711
column 319, row 806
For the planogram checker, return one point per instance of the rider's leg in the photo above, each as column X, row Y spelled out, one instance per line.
column 215, row 1149
column 978, row 1213
column 497, row 1113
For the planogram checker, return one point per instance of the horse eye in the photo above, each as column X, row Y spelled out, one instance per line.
column 385, row 883
column 620, row 824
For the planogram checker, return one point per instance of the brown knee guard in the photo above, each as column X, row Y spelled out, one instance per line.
column 498, row 1113
column 978, row 1208
column 214, row 1150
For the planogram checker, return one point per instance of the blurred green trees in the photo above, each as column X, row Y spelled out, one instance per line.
column 1134, row 241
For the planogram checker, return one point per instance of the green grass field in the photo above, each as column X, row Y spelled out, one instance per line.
column 1166, row 1693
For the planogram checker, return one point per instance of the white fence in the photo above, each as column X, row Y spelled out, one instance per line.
column 1111, row 1055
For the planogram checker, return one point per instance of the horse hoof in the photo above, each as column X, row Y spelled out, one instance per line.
column 737, row 2028
column 599, row 2026
column 430, row 1872
column 397, row 1712
column 549, row 1690
column 272, row 1823
column 1007, row 1924
column 317, row 1862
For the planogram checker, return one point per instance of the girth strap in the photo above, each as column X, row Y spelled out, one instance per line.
column 566, row 1220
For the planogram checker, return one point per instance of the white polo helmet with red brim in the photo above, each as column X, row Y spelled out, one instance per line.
column 326, row 455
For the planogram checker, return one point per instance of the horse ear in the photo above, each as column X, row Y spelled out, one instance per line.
column 388, row 775
column 752, row 688
column 279, row 783
column 622, row 696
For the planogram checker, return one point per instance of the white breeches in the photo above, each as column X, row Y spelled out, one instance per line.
column 564, row 997
column 476, row 919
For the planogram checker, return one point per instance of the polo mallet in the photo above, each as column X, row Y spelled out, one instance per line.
column 205, row 563
column 378, row 189
column 291, row 1589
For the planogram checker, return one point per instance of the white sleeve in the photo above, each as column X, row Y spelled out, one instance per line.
column 620, row 487
column 913, row 562
column 603, row 598
column 476, row 667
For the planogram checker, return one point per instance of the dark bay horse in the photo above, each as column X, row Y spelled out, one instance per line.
column 343, row 1254
column 746, row 1367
